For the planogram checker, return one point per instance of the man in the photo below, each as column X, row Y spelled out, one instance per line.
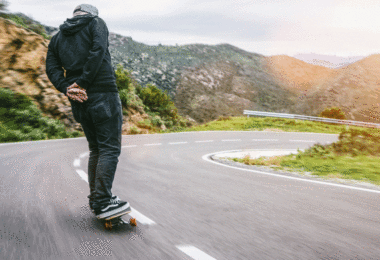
column 81, row 48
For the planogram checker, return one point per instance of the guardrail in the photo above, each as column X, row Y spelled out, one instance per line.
column 310, row 118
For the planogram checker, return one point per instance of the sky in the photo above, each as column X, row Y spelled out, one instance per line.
column 268, row 27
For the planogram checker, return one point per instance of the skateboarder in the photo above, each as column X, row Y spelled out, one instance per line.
column 81, row 48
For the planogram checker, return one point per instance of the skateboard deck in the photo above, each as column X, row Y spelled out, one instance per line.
column 116, row 220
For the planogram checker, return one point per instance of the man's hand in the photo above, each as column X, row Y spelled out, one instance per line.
column 76, row 93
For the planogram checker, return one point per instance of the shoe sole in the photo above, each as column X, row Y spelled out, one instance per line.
column 128, row 210
column 114, row 212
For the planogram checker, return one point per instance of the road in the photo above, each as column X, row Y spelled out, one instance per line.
column 186, row 206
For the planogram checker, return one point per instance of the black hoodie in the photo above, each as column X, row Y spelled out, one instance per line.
column 81, row 48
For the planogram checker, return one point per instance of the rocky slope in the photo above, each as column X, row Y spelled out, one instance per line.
column 22, row 69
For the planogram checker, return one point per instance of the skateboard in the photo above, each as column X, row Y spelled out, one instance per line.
column 116, row 220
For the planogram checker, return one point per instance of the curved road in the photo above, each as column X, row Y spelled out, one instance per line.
column 186, row 206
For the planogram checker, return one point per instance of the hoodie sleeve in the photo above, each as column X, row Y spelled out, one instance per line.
column 99, row 33
column 54, row 69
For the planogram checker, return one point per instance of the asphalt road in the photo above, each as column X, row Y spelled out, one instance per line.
column 186, row 206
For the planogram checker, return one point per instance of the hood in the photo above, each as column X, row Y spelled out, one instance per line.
column 73, row 25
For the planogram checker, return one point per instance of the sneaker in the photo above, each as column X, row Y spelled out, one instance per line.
column 112, row 208
column 114, row 197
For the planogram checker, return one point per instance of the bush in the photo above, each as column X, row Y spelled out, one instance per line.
column 354, row 141
column 334, row 112
column 150, row 99
column 123, row 78
column 28, row 23
column 21, row 120
column 158, row 101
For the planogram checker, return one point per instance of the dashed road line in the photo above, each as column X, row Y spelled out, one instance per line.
column 207, row 141
column 134, row 214
column 179, row 143
column 231, row 140
column 152, row 144
column 84, row 155
column 303, row 141
column 265, row 140
column 141, row 218
column 83, row 175
column 128, row 146
column 76, row 163
column 194, row 252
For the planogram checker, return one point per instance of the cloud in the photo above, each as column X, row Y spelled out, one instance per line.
column 202, row 24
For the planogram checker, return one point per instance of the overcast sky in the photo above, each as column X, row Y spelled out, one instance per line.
column 268, row 27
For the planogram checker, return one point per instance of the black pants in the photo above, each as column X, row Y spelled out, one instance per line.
column 101, row 118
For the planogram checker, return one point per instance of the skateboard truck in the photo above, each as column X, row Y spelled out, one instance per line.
column 116, row 220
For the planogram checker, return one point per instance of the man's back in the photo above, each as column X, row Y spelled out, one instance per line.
column 81, row 48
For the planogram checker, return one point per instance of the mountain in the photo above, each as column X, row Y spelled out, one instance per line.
column 329, row 61
column 297, row 75
column 204, row 81
column 354, row 88
column 208, row 81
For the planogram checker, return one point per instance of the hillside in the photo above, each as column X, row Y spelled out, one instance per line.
column 204, row 81
column 355, row 88
column 208, row 81
column 22, row 70
column 297, row 75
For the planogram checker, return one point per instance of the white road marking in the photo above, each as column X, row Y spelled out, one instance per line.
column 207, row 141
column 264, row 140
column 129, row 146
column 232, row 140
column 141, row 218
column 195, row 253
column 206, row 158
column 152, row 144
column 83, row 175
column 76, row 163
column 84, row 154
column 179, row 143
column 303, row 141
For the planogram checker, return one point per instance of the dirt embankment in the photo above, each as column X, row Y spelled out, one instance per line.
column 22, row 69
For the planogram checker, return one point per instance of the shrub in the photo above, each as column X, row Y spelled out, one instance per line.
column 21, row 120
column 224, row 118
column 134, row 130
column 158, row 101
column 28, row 23
column 123, row 78
column 334, row 112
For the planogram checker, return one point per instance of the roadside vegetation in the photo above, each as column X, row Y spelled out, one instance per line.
column 226, row 123
column 157, row 104
column 356, row 156
column 24, row 21
column 21, row 120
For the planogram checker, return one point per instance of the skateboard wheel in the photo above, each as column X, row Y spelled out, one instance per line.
column 133, row 222
column 108, row 225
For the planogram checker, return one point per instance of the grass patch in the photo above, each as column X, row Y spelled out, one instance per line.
column 268, row 124
column 356, row 156
column 361, row 168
